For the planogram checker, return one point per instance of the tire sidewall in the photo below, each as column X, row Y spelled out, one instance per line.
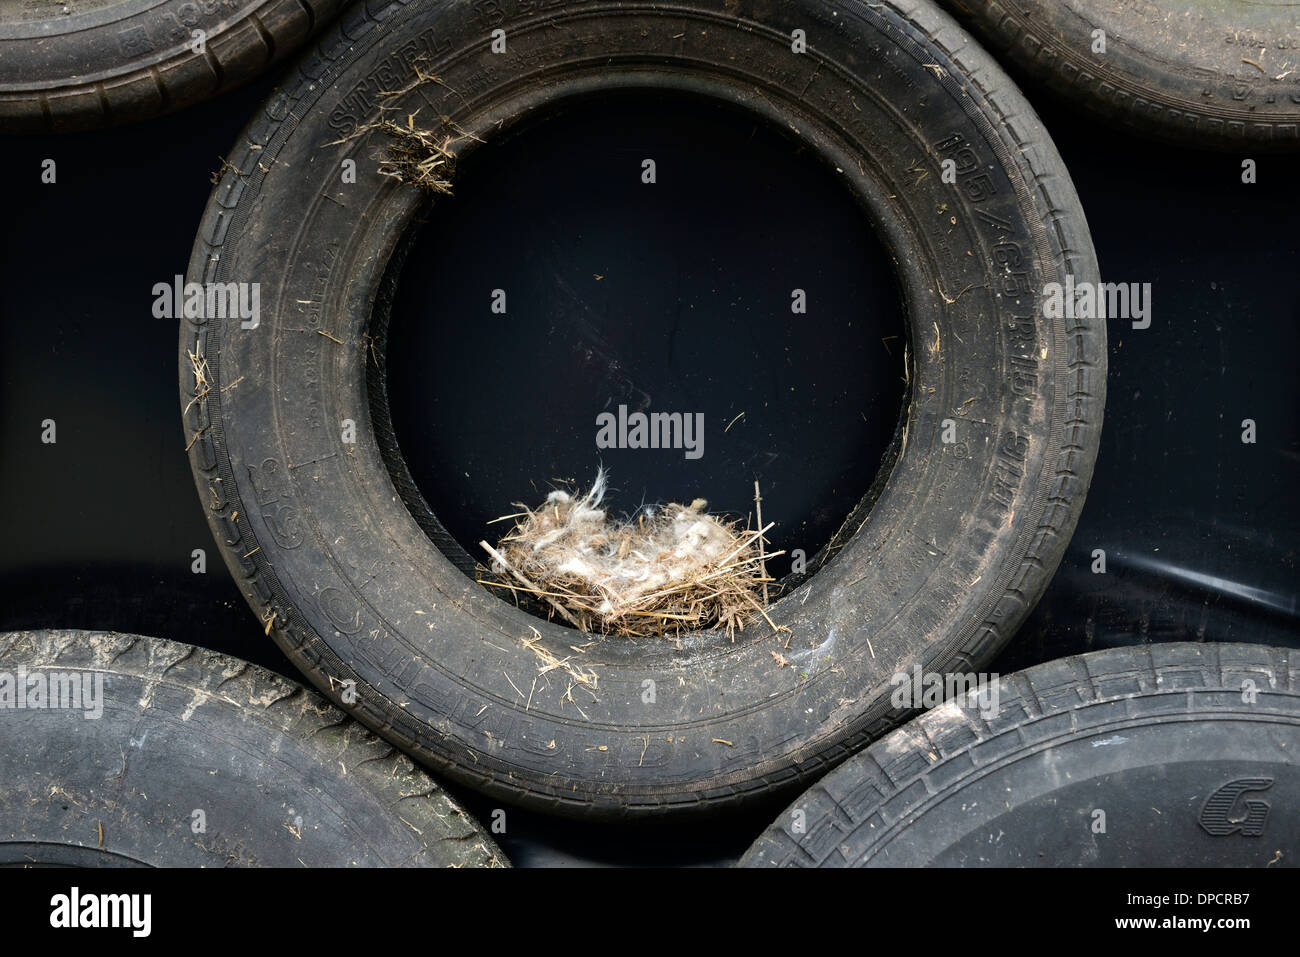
column 953, row 553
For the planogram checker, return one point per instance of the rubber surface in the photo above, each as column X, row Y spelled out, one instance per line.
column 936, row 566
column 1173, row 755
column 184, row 757
column 1218, row 74
column 99, row 62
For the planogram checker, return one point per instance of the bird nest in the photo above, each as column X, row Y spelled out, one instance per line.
column 665, row 570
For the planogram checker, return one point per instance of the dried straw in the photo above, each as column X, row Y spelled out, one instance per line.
column 664, row 571
column 418, row 154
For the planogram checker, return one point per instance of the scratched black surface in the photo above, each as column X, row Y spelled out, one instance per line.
column 675, row 297
column 1200, row 530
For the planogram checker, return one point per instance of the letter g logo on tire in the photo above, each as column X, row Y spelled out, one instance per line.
column 1217, row 813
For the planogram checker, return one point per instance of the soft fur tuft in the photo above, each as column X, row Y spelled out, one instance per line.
column 667, row 569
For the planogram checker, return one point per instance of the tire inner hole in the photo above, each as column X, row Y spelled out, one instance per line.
column 674, row 296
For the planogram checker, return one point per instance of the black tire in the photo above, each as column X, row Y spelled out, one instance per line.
column 941, row 570
column 1176, row 755
column 1188, row 74
column 117, row 61
column 200, row 760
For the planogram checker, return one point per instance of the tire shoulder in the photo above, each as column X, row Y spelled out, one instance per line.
column 142, row 92
column 907, row 767
column 248, row 693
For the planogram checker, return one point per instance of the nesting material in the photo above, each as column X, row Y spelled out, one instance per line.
column 667, row 569
column 418, row 156
column 417, row 151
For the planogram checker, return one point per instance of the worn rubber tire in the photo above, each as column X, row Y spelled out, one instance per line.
column 117, row 61
column 1171, row 70
column 1189, row 765
column 938, row 565
column 280, row 777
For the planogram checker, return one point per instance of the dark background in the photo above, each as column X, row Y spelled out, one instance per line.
column 692, row 310
column 673, row 297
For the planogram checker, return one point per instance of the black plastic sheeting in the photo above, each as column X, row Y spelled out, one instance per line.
column 633, row 299
column 1199, row 529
